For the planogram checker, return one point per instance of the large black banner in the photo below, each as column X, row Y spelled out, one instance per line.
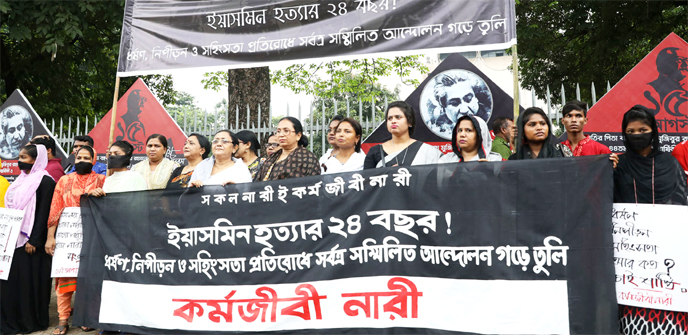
column 494, row 248
column 159, row 35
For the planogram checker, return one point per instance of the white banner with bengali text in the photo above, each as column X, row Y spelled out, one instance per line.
column 650, row 255
column 10, row 225
column 68, row 240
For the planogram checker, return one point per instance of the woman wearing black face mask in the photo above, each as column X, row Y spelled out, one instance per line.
column 646, row 175
column 68, row 193
column 121, row 178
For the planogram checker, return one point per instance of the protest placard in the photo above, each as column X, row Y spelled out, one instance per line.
column 10, row 224
column 650, row 255
column 68, row 239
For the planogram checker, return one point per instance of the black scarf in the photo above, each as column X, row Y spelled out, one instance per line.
column 633, row 176
column 551, row 148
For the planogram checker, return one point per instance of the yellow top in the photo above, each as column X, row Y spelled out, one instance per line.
column 4, row 184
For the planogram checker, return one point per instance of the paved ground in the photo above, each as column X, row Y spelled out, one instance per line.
column 53, row 320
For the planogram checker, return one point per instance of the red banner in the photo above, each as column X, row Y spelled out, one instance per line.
column 139, row 115
column 660, row 83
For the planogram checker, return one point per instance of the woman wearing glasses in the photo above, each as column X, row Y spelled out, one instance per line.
column 292, row 160
column 222, row 168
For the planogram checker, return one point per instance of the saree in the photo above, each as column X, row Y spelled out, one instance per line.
column 156, row 180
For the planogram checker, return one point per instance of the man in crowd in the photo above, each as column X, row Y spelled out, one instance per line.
column 54, row 167
column 79, row 142
column 503, row 128
column 575, row 117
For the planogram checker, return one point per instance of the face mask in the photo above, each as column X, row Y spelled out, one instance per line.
column 118, row 162
column 24, row 166
column 83, row 167
column 639, row 142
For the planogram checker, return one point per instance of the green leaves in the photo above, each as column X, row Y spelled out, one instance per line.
column 347, row 78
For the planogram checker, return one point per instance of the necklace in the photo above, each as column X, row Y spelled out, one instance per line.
column 405, row 152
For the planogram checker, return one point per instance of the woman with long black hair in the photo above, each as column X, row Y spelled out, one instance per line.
column 535, row 139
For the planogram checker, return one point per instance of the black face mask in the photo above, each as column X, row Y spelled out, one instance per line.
column 118, row 162
column 24, row 166
column 638, row 142
column 83, row 167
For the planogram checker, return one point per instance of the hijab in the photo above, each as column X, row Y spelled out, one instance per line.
column 22, row 193
column 482, row 136
column 551, row 147
column 655, row 178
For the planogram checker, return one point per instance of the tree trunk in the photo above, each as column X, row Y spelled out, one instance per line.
column 248, row 87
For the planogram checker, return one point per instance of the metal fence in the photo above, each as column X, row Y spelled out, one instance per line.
column 65, row 129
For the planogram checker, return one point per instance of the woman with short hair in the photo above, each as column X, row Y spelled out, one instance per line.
column 292, row 160
column 196, row 149
column 248, row 147
column 156, row 169
column 401, row 150
column 348, row 140
column 471, row 141
column 25, row 295
column 223, row 168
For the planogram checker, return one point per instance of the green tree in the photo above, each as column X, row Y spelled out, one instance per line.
column 192, row 118
column 329, row 80
column 63, row 56
column 591, row 41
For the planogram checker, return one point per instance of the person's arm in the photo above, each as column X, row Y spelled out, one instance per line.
column 44, row 198
column 372, row 158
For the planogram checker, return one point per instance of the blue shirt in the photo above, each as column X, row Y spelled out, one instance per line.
column 99, row 168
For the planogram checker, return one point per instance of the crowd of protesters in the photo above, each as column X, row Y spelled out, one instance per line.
column 643, row 174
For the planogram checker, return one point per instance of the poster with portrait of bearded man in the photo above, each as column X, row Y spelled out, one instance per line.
column 452, row 94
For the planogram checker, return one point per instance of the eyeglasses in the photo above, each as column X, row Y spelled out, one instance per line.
column 284, row 132
column 274, row 145
column 223, row 141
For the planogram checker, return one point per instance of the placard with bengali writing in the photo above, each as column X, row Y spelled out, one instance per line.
column 650, row 255
column 10, row 225
column 68, row 240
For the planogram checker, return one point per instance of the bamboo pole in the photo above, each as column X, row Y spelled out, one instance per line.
column 113, row 118
column 514, row 65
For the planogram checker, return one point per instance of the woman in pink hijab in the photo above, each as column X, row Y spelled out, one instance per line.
column 25, row 295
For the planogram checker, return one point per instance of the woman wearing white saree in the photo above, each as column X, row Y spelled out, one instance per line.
column 156, row 169
column 223, row 168
column 401, row 150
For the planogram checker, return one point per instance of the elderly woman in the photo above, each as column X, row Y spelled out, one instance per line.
column 248, row 147
column 68, row 193
column 648, row 176
column 534, row 137
column 156, row 169
column 25, row 295
column 222, row 168
column 196, row 149
column 348, row 140
column 292, row 160
column 401, row 150
column 471, row 141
